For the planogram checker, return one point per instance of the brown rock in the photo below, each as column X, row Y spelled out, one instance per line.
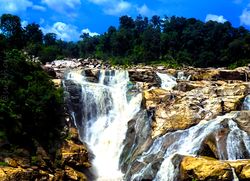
column 73, row 134
column 179, row 110
column 243, row 120
column 13, row 174
column 57, row 82
column 205, row 168
column 74, row 155
column 245, row 173
column 190, row 85
column 74, row 175
column 11, row 162
column 153, row 97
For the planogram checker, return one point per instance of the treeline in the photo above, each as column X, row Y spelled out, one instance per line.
column 172, row 40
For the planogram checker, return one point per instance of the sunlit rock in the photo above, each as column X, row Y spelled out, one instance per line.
column 205, row 168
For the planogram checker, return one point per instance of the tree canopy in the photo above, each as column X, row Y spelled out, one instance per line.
column 170, row 40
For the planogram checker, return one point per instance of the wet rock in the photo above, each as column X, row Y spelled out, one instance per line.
column 137, row 139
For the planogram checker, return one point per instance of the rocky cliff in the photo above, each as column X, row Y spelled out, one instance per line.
column 200, row 96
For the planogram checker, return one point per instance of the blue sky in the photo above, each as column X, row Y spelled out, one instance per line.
column 69, row 18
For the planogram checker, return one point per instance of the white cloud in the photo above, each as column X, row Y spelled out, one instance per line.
column 245, row 17
column 119, row 8
column 89, row 32
column 113, row 7
column 66, row 6
column 13, row 6
column 99, row 1
column 39, row 8
column 66, row 32
column 144, row 10
column 63, row 31
column 212, row 17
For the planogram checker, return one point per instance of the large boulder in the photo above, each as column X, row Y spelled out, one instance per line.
column 212, row 74
column 243, row 121
column 74, row 155
column 206, row 168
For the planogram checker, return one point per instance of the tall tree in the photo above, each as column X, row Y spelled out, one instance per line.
column 11, row 27
column 50, row 39
column 33, row 34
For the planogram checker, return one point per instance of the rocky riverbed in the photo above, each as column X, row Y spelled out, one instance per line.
column 200, row 96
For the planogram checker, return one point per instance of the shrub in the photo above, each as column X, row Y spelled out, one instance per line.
column 32, row 105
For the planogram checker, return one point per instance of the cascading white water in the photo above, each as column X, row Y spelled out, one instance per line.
column 235, row 139
column 106, row 112
column 246, row 103
column 181, row 76
column 189, row 142
column 167, row 81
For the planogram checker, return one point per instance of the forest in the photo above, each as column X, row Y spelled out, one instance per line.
column 172, row 41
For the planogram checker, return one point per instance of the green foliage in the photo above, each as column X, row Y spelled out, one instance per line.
column 2, row 135
column 33, row 34
column 175, row 41
column 34, row 160
column 48, row 54
column 30, row 106
column 187, row 41
column 4, row 164
column 11, row 28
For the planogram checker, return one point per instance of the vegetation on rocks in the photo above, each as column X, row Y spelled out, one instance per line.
column 30, row 105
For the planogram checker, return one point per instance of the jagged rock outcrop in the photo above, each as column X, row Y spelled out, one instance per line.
column 206, row 168
column 71, row 162
column 180, row 110
column 200, row 95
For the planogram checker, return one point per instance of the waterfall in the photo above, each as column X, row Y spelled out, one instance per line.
column 167, row 81
column 189, row 142
column 103, row 116
column 106, row 108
